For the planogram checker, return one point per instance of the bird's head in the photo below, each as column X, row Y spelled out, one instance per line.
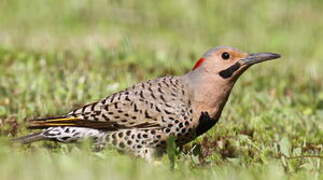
column 228, row 63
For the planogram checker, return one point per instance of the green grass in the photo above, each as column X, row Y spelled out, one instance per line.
column 58, row 55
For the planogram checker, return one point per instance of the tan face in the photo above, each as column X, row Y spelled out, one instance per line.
column 229, row 63
column 222, row 58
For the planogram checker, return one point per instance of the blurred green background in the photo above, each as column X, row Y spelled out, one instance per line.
column 56, row 55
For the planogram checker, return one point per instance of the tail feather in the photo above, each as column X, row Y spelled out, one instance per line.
column 79, row 122
column 70, row 128
column 71, row 122
column 53, row 122
column 30, row 138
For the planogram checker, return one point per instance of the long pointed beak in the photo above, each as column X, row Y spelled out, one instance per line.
column 258, row 58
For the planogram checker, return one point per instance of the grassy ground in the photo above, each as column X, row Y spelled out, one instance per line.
column 57, row 55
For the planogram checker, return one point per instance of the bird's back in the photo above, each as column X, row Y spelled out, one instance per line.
column 138, row 119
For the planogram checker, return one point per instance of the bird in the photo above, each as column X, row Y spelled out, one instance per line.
column 140, row 119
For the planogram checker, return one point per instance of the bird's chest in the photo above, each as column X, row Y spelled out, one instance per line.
column 187, row 131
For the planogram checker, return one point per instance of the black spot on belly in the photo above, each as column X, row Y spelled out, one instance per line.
column 129, row 142
column 121, row 145
column 205, row 123
column 128, row 133
column 65, row 138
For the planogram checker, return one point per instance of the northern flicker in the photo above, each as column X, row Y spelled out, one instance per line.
column 140, row 119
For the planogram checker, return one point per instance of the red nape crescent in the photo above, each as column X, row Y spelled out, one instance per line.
column 198, row 63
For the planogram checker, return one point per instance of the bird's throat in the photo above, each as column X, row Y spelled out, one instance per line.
column 209, row 93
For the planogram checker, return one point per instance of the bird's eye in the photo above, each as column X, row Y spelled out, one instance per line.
column 225, row 55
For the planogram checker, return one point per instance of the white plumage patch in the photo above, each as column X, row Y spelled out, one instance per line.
column 69, row 134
